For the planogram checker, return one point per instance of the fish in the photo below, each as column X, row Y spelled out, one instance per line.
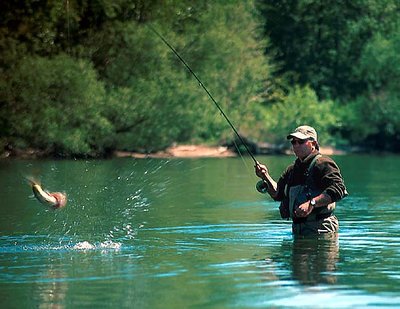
column 54, row 200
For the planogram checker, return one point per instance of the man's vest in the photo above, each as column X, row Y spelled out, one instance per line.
column 300, row 194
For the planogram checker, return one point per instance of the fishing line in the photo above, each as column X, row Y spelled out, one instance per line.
column 68, row 29
column 206, row 90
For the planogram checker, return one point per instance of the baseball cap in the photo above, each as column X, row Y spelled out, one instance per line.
column 304, row 132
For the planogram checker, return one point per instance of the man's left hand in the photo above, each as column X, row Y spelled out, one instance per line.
column 304, row 210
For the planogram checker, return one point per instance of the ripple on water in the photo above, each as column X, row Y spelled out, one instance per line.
column 34, row 243
column 205, row 237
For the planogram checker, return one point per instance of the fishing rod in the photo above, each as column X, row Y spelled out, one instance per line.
column 206, row 90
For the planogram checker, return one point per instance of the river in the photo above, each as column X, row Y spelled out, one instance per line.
column 192, row 233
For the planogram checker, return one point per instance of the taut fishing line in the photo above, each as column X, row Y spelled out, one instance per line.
column 68, row 29
column 208, row 93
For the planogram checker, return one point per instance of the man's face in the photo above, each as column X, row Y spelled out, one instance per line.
column 302, row 147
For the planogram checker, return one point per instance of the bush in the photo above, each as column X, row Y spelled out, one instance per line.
column 57, row 105
column 300, row 107
column 373, row 118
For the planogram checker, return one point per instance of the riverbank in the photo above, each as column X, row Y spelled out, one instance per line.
column 183, row 151
column 203, row 151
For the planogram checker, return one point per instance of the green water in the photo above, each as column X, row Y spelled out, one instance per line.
column 192, row 233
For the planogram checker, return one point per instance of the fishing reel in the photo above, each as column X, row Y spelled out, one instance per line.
column 262, row 187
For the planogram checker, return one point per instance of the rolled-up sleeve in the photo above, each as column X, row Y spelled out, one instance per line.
column 331, row 180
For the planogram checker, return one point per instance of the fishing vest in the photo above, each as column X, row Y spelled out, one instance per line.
column 297, row 195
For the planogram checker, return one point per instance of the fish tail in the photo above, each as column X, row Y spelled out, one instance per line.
column 32, row 181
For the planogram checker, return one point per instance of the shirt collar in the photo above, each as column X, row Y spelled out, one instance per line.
column 308, row 159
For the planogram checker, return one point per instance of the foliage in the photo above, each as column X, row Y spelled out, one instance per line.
column 229, row 59
column 320, row 43
column 374, row 117
column 55, row 104
column 300, row 107
column 144, row 99
column 83, row 78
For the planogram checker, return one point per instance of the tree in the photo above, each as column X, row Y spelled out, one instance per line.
column 116, row 84
column 225, row 49
column 373, row 118
column 320, row 43
column 55, row 105
column 301, row 106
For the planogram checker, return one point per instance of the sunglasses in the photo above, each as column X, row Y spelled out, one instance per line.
column 298, row 141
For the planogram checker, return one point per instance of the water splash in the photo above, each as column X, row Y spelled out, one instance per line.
column 107, row 245
column 37, row 243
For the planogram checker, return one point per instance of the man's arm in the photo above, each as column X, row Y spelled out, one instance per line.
column 262, row 172
column 306, row 208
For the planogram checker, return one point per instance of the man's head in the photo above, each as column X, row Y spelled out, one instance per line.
column 304, row 140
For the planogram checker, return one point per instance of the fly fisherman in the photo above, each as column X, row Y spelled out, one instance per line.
column 308, row 189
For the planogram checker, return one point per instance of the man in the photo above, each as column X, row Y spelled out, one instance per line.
column 309, row 188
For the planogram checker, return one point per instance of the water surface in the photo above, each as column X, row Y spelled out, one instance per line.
column 192, row 233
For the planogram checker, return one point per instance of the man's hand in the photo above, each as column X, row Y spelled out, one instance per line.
column 304, row 210
column 261, row 171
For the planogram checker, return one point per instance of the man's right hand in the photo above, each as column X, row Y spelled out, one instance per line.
column 261, row 171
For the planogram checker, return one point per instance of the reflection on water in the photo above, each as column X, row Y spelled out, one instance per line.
column 52, row 289
column 314, row 260
column 192, row 233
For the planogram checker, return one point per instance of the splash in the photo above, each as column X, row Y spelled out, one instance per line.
column 84, row 245
column 106, row 245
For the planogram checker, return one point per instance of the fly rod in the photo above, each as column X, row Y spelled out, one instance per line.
column 206, row 90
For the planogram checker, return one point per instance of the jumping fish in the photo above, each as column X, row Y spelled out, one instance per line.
column 55, row 200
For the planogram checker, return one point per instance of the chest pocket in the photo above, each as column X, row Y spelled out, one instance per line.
column 294, row 194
